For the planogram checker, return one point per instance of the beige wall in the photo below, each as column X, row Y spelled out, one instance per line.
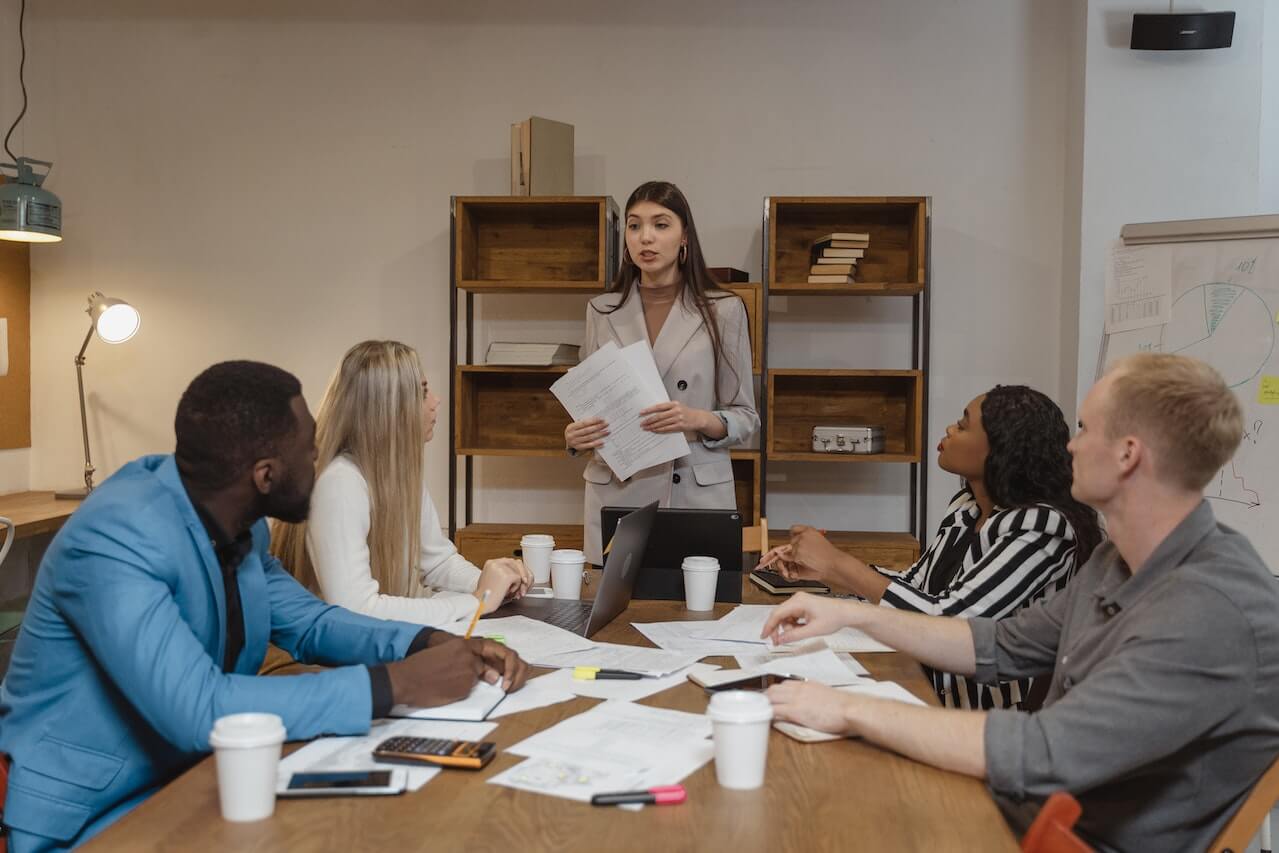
column 274, row 184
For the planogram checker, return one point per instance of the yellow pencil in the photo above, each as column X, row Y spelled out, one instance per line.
column 478, row 610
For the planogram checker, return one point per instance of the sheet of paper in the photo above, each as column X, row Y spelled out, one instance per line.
column 484, row 697
column 613, row 746
column 536, row 693
column 685, row 637
column 356, row 753
column 608, row 385
column 759, row 658
column 534, row 640
column 1138, row 286
column 744, row 623
column 639, row 659
column 879, row 689
column 627, row 690
column 821, row 665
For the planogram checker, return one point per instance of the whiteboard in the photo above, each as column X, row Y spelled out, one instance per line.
column 1225, row 301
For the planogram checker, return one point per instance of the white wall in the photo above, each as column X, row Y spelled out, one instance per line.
column 1167, row 135
column 271, row 181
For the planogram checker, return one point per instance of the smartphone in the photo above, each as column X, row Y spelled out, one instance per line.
column 345, row 783
column 754, row 682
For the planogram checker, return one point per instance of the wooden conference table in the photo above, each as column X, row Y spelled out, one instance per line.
column 844, row 795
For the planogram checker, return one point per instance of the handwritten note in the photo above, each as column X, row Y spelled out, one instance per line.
column 1138, row 287
column 1268, row 391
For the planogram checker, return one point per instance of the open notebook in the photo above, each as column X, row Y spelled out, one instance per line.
column 484, row 697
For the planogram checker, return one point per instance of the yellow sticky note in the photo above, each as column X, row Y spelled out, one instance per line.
column 1268, row 391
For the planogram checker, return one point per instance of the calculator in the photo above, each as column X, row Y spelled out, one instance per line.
column 440, row 752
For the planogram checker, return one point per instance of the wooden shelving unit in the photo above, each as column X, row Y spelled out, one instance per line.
column 509, row 244
column 796, row 399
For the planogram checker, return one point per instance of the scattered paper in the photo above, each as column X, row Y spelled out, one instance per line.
column 613, row 746
column 1138, row 286
column 616, row 384
column 744, row 624
column 685, row 637
column 483, row 698
column 820, row 665
column 534, row 640
column 356, row 753
column 625, row 689
column 639, row 659
column 536, row 693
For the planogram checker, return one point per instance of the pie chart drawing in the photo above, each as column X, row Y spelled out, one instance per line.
column 1227, row 325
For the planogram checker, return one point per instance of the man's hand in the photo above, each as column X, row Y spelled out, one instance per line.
column 443, row 672
column 805, row 616
column 814, row 705
column 501, row 662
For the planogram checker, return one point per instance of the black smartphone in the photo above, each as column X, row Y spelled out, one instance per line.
column 754, row 682
column 345, row 783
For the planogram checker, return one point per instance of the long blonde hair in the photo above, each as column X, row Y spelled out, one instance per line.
column 372, row 413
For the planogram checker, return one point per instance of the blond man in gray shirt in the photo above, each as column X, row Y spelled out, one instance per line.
column 1163, row 706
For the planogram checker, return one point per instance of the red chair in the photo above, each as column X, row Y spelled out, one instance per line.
column 1051, row 831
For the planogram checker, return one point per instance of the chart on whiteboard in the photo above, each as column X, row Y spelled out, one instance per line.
column 1225, row 299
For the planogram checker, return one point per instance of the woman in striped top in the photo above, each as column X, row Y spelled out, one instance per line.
column 1012, row 535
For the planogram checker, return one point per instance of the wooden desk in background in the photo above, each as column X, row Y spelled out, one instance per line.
column 33, row 513
column 844, row 795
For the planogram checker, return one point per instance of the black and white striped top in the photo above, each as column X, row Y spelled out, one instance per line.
column 1019, row 557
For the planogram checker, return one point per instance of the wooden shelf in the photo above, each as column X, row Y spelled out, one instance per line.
column 746, row 468
column 891, row 550
column 876, row 288
column 487, row 541
column 510, row 244
column 36, row 513
column 799, row 400
column 508, row 411
column 895, row 262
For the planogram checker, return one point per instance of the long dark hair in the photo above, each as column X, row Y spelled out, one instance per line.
column 1028, row 462
column 700, row 288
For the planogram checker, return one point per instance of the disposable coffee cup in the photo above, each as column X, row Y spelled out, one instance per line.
column 537, row 548
column 740, row 720
column 247, row 751
column 700, row 577
column 566, row 573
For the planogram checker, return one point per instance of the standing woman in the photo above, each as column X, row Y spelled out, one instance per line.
column 373, row 542
column 663, row 294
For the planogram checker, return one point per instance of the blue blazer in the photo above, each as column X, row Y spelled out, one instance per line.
column 116, row 676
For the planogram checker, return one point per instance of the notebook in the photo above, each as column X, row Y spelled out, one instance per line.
column 476, row 707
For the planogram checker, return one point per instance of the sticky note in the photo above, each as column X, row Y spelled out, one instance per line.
column 1268, row 391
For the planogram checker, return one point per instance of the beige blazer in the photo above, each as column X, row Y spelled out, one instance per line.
column 685, row 361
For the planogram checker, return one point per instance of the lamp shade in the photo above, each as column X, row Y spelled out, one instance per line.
column 114, row 320
column 28, row 212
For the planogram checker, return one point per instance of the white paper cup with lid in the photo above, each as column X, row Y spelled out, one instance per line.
column 566, row 573
column 740, row 722
column 537, row 548
column 701, row 574
column 247, row 751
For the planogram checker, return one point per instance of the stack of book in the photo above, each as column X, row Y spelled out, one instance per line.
column 531, row 354
column 835, row 257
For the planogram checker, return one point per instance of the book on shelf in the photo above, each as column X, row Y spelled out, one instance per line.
column 843, row 254
column 531, row 354
column 858, row 236
column 831, row 279
column 842, row 244
column 833, row 269
column 728, row 275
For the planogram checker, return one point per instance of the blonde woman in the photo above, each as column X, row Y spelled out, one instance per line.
column 373, row 543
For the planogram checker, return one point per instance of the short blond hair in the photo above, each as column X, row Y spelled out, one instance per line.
column 1182, row 408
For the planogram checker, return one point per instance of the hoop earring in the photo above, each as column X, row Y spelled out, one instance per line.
column 683, row 253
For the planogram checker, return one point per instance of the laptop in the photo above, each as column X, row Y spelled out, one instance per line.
column 621, row 567
column 679, row 533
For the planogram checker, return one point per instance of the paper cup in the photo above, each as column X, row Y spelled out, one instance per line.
column 740, row 721
column 566, row 573
column 247, row 750
column 537, row 548
column 700, row 576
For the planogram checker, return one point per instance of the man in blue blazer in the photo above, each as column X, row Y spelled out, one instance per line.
column 152, row 611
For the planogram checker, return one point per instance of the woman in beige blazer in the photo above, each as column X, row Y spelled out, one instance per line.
column 663, row 294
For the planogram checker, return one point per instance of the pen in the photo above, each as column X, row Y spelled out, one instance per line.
column 663, row 795
column 479, row 608
column 594, row 673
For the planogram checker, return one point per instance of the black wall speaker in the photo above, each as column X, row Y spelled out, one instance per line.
column 1200, row 31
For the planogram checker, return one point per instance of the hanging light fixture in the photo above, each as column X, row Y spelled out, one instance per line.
column 28, row 212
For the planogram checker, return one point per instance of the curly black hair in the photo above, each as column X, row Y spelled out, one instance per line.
column 230, row 416
column 1028, row 462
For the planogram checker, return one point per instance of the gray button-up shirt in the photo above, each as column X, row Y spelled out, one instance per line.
column 1163, row 709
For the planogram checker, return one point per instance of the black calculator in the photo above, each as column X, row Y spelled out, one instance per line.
column 438, row 752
